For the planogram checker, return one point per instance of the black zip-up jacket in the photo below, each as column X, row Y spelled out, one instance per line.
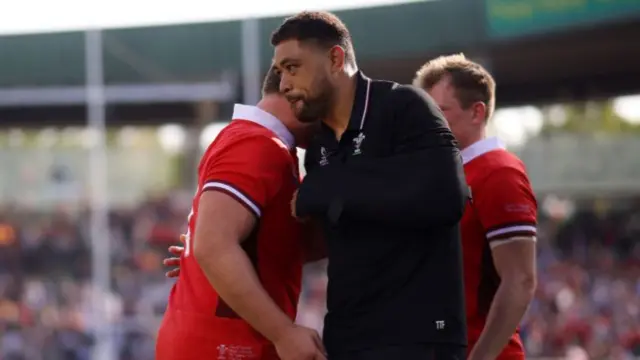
column 390, row 194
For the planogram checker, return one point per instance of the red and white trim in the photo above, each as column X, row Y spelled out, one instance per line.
column 511, row 233
column 235, row 193
column 502, row 232
column 497, row 243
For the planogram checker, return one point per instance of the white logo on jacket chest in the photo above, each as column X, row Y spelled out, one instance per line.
column 357, row 143
column 324, row 157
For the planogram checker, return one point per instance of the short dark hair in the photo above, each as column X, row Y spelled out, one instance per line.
column 271, row 84
column 471, row 80
column 321, row 27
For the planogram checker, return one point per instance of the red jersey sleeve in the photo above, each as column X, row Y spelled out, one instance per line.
column 506, row 205
column 251, row 170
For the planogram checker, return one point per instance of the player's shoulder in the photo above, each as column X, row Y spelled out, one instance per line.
column 246, row 138
column 498, row 163
column 501, row 158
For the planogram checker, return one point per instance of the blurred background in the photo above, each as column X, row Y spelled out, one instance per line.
column 101, row 131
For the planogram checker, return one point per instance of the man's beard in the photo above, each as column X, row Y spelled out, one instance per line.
column 317, row 107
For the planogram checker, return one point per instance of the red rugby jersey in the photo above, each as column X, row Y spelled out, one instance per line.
column 254, row 160
column 503, row 206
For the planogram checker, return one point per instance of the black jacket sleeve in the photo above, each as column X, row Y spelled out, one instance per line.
column 421, row 186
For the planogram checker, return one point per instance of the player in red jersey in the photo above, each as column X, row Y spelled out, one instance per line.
column 499, row 224
column 240, row 272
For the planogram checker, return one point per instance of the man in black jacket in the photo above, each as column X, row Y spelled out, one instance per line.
column 385, row 179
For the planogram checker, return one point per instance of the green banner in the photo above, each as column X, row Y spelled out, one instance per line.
column 511, row 18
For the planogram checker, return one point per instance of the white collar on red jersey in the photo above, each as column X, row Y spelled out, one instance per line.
column 480, row 148
column 261, row 117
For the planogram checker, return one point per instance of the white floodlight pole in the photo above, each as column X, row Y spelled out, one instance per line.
column 251, row 74
column 100, row 249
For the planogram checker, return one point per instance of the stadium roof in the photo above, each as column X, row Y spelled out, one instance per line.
column 20, row 17
column 209, row 51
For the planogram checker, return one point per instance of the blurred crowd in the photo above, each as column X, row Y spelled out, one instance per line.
column 588, row 298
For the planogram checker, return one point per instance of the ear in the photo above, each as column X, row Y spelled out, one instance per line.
column 337, row 57
column 479, row 112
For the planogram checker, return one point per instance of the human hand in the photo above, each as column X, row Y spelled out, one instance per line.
column 174, row 261
column 300, row 343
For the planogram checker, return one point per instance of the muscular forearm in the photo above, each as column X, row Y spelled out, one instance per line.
column 230, row 272
column 509, row 305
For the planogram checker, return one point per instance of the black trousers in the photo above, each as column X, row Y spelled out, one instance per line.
column 406, row 352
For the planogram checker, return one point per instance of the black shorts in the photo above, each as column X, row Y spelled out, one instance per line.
column 406, row 352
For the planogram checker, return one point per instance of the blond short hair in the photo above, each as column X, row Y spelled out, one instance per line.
column 471, row 80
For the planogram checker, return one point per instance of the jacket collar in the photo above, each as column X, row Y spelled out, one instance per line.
column 360, row 103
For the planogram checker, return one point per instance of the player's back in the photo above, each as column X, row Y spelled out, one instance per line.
column 274, row 247
column 494, row 214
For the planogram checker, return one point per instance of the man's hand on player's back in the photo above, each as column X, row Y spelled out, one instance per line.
column 174, row 261
column 300, row 343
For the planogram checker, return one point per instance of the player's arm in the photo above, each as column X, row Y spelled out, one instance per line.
column 421, row 185
column 507, row 208
column 239, row 186
column 222, row 224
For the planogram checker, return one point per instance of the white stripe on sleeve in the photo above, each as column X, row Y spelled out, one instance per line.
column 511, row 229
column 240, row 196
